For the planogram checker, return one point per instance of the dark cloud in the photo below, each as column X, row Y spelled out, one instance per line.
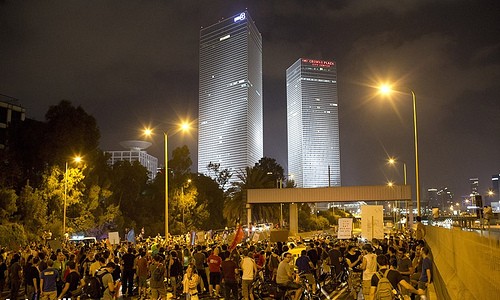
column 130, row 63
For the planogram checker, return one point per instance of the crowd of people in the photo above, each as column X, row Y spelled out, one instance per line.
column 151, row 268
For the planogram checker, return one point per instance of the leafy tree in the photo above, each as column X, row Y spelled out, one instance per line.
column 180, row 164
column 70, row 131
column 184, row 202
column 252, row 178
column 8, row 205
column 128, row 182
column 21, row 162
column 209, row 203
column 271, row 167
column 32, row 210
column 221, row 176
column 13, row 235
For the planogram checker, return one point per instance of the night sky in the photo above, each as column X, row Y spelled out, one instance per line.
column 131, row 63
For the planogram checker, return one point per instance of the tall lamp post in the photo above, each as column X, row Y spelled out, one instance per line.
column 76, row 159
column 392, row 161
column 148, row 132
column 386, row 89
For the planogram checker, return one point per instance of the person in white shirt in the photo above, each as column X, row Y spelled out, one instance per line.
column 249, row 268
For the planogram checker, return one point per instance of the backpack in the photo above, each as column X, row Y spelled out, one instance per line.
column 176, row 267
column 94, row 289
column 157, row 274
column 273, row 263
column 384, row 287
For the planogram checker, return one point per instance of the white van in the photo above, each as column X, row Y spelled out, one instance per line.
column 87, row 240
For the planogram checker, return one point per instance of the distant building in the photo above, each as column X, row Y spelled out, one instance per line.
column 230, row 95
column 313, row 123
column 135, row 153
column 443, row 199
column 474, row 186
column 432, row 198
column 9, row 113
column 495, row 180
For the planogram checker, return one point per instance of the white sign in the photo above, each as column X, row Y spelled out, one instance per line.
column 345, row 228
column 372, row 222
column 114, row 238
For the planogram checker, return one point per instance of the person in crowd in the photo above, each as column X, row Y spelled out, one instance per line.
column 128, row 272
column 420, row 230
column 354, row 259
column 285, row 277
column 335, row 258
column 190, row 283
column 229, row 273
column 48, row 282
column 108, row 281
column 33, row 279
column 200, row 261
column 249, row 269
column 214, row 262
column 141, row 265
column 175, row 271
column 305, row 266
column 393, row 276
column 158, row 273
column 369, row 267
column 426, row 275
column 74, row 283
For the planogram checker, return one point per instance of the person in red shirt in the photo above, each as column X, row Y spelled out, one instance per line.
column 214, row 264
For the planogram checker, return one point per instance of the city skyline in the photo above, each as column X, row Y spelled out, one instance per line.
column 130, row 64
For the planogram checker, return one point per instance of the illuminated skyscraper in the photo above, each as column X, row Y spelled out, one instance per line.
column 313, row 123
column 230, row 109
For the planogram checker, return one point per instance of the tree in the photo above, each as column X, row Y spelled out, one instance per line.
column 21, row 162
column 208, row 212
column 221, row 176
column 180, row 164
column 128, row 182
column 251, row 178
column 69, row 131
column 32, row 210
column 271, row 167
column 8, row 205
column 183, row 204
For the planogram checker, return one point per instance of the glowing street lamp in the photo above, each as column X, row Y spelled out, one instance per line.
column 185, row 126
column 77, row 160
column 387, row 89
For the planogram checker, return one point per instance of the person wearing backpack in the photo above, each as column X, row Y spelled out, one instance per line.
column 158, row 273
column 175, row 268
column 74, row 283
column 107, row 282
column 384, row 283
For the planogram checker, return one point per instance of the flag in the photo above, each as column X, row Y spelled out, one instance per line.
column 237, row 238
column 131, row 236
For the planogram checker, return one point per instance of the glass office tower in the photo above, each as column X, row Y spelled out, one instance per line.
column 313, row 123
column 230, row 95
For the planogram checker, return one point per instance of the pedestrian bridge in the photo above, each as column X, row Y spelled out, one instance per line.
column 324, row 194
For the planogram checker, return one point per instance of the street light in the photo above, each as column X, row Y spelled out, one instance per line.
column 387, row 89
column 76, row 159
column 185, row 126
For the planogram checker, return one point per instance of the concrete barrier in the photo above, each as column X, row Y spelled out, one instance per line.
column 466, row 263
